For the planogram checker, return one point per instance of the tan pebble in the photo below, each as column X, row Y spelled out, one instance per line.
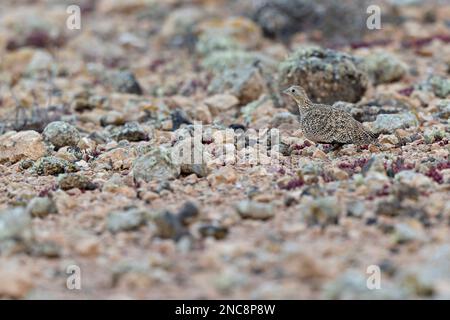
column 87, row 247
column 319, row 154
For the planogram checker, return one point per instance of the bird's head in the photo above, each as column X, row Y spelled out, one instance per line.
column 298, row 94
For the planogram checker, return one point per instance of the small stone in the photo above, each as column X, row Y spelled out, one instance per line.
column 433, row 134
column 125, row 82
column 220, row 103
column 87, row 247
column 169, row 226
column 52, row 166
column 188, row 213
column 209, row 230
column 125, row 220
column 439, row 85
column 15, row 280
column 132, row 131
column 339, row 174
column 156, row 165
column 407, row 232
column 321, row 211
column 388, row 123
column 71, row 154
column 255, row 210
column 223, row 175
column 14, row 223
column 41, row 207
column 319, row 154
column 61, row 134
column 75, row 180
column 191, row 156
column 24, row 145
column 112, row 118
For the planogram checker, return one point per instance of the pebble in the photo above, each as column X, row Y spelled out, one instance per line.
column 15, row 223
column 255, row 210
column 75, row 180
column 156, row 165
column 125, row 220
column 41, row 207
column 47, row 166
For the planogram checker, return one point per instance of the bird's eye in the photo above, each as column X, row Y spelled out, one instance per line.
column 293, row 90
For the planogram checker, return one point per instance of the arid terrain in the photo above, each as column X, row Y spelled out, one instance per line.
column 102, row 198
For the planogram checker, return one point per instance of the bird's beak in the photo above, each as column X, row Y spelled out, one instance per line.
column 286, row 91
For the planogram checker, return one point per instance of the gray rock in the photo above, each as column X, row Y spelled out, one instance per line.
column 75, row 180
column 327, row 76
column 321, row 211
column 131, row 131
column 125, row 82
column 210, row 230
column 125, row 220
column 444, row 110
column 41, row 207
column 155, row 165
column 439, row 85
column 388, row 123
column 255, row 210
column 339, row 21
column 14, row 223
column 384, row 68
column 169, row 226
column 61, row 134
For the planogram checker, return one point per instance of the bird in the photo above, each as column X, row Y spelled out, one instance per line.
column 327, row 124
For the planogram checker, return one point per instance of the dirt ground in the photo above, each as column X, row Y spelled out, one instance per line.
column 93, row 204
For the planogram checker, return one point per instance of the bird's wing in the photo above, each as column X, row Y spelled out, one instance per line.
column 349, row 130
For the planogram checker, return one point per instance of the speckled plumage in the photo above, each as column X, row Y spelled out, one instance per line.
column 327, row 124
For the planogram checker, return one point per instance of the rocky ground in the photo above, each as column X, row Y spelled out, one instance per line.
column 91, row 121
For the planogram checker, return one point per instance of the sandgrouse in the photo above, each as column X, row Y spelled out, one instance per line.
column 327, row 124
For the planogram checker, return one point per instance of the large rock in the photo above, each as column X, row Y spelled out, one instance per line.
column 326, row 75
column 156, row 165
column 16, row 146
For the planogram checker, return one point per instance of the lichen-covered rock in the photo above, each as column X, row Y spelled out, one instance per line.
column 41, row 207
column 156, row 165
column 53, row 166
column 439, row 85
column 388, row 123
column 326, row 75
column 75, row 180
column 444, row 110
column 125, row 220
column 384, row 68
column 61, row 134
column 24, row 145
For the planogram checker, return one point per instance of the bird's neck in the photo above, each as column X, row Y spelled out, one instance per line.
column 304, row 104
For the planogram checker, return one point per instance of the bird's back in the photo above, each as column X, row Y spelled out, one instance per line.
column 327, row 124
